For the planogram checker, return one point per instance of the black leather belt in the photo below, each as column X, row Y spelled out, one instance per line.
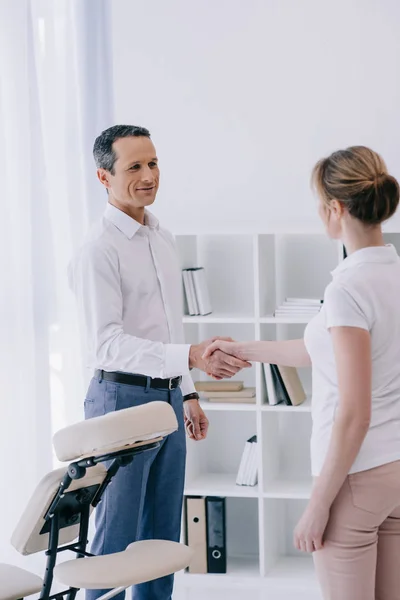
column 141, row 380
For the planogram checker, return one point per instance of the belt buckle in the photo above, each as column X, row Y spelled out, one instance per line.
column 172, row 380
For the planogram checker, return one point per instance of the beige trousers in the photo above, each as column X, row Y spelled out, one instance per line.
column 361, row 555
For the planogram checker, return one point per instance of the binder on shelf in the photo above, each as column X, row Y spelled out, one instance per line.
column 283, row 385
column 188, row 286
column 216, row 534
column 280, row 389
column 201, row 291
column 269, row 384
column 196, row 533
column 196, row 291
column 192, row 292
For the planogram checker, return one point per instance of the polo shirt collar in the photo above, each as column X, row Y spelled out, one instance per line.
column 126, row 224
column 372, row 254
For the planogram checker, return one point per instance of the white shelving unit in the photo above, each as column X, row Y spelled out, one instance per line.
column 248, row 275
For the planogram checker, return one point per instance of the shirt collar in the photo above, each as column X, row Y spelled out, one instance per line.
column 126, row 224
column 372, row 254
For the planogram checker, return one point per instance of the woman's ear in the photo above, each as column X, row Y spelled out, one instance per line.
column 337, row 208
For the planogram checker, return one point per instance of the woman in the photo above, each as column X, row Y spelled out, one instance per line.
column 352, row 521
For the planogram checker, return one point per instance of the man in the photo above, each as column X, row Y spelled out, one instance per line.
column 127, row 281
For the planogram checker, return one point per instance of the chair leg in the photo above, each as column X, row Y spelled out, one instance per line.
column 51, row 558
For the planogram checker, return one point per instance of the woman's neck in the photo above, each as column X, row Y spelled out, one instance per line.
column 359, row 237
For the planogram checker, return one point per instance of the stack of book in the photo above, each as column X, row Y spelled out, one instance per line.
column 205, row 533
column 248, row 469
column 196, row 291
column 226, row 391
column 299, row 307
column 283, row 385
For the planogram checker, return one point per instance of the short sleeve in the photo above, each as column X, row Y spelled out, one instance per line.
column 342, row 309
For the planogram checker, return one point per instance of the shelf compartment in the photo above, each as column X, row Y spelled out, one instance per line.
column 219, row 484
column 242, row 543
column 228, row 264
column 291, row 489
column 220, row 318
column 286, row 453
column 304, row 407
column 213, row 463
column 283, row 562
column 226, row 406
column 286, row 320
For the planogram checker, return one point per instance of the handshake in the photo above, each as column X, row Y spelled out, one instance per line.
column 219, row 357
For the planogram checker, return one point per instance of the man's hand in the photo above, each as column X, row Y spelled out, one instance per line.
column 224, row 345
column 196, row 422
column 218, row 365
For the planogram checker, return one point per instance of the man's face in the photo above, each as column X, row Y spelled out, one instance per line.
column 136, row 176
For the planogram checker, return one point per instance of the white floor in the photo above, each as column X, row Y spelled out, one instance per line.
column 235, row 594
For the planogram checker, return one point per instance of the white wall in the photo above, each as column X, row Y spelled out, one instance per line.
column 243, row 96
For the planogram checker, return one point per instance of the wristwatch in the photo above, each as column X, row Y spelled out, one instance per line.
column 192, row 396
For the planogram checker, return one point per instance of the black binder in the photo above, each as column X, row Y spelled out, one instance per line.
column 216, row 534
column 280, row 388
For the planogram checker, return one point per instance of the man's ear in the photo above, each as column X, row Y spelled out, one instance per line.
column 104, row 177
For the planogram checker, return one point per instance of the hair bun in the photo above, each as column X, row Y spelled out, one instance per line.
column 358, row 177
column 378, row 201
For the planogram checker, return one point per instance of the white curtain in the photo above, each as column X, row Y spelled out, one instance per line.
column 55, row 97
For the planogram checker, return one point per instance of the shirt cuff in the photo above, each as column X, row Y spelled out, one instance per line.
column 187, row 385
column 176, row 360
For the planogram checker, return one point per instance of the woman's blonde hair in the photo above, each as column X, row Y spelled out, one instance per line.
column 358, row 178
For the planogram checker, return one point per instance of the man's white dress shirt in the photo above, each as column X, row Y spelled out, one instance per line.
column 127, row 281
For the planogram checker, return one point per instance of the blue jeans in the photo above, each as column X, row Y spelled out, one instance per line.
column 144, row 500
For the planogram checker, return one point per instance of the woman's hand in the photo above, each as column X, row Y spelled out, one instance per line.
column 228, row 347
column 308, row 535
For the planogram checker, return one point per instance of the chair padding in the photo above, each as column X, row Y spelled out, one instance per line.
column 115, row 431
column 140, row 562
column 26, row 537
column 17, row 583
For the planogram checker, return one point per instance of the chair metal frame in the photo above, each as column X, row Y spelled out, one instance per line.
column 73, row 508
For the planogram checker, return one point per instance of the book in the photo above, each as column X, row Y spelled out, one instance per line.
column 248, row 392
column 293, row 385
column 233, row 400
column 316, row 301
column 298, row 306
column 248, row 468
column 218, row 386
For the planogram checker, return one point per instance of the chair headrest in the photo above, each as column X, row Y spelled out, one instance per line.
column 115, row 431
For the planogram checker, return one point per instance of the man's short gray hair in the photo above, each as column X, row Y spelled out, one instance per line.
column 103, row 152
